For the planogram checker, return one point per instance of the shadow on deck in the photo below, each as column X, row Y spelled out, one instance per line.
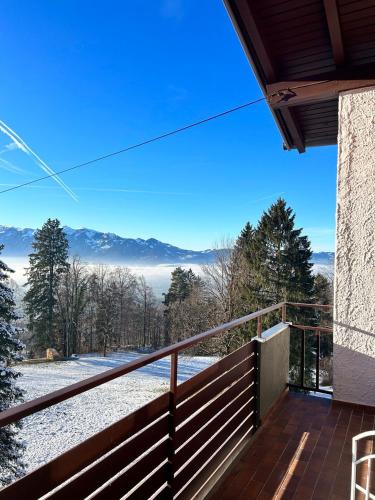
column 302, row 451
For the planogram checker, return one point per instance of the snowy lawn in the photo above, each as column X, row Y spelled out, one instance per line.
column 50, row 432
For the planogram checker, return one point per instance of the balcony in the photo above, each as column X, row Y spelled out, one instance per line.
column 232, row 429
column 303, row 450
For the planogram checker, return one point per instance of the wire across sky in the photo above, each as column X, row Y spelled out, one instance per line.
column 137, row 145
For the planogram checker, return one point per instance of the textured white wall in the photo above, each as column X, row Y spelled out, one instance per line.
column 354, row 311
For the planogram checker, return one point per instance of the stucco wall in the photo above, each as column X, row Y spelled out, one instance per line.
column 274, row 365
column 354, row 310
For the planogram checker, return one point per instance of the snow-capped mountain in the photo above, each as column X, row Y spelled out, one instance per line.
column 95, row 246
column 324, row 258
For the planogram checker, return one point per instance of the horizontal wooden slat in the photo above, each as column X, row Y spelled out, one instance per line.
column 206, row 376
column 367, row 19
column 198, row 400
column 297, row 74
column 313, row 328
column 314, row 31
column 311, row 125
column 294, row 22
column 164, row 494
column 328, row 117
column 327, row 141
column 267, row 9
column 151, row 485
column 308, row 59
column 128, row 480
column 321, row 133
column 328, row 129
column 311, row 306
column 201, row 418
column 306, row 47
column 309, row 115
column 222, row 418
column 52, row 474
column 92, row 478
column 213, row 446
column 356, row 6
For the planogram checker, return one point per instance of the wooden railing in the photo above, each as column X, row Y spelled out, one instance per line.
column 163, row 444
column 162, row 447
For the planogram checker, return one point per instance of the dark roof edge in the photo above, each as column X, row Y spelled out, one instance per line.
column 257, row 68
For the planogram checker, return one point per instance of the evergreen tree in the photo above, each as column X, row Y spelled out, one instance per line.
column 11, row 465
column 245, row 238
column 241, row 271
column 47, row 264
column 323, row 289
column 279, row 260
column 279, row 269
column 183, row 282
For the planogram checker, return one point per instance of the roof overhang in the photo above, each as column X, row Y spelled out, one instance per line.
column 304, row 53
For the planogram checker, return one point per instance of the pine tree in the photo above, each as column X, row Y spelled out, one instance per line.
column 279, row 260
column 280, row 270
column 241, row 271
column 323, row 289
column 183, row 282
column 181, row 285
column 245, row 238
column 47, row 264
column 11, row 448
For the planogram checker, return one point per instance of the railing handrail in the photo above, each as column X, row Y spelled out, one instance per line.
column 314, row 306
column 25, row 409
column 323, row 329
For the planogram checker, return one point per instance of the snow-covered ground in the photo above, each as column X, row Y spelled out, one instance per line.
column 50, row 432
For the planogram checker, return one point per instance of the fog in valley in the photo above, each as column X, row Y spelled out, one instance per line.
column 158, row 277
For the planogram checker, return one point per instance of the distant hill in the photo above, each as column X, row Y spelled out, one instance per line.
column 95, row 246
column 324, row 258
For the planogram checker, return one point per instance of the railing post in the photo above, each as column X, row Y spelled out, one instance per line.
column 303, row 343
column 283, row 313
column 317, row 361
column 259, row 326
column 257, row 384
column 172, row 424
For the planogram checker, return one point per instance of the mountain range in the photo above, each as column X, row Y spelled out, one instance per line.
column 96, row 246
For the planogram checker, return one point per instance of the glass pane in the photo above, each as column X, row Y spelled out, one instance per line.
column 326, row 361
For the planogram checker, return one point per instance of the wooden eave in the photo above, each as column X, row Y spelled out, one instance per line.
column 304, row 53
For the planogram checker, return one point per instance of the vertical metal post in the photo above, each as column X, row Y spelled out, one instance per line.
column 259, row 327
column 354, row 470
column 172, row 424
column 368, row 480
column 258, row 350
column 317, row 361
column 303, row 343
column 283, row 313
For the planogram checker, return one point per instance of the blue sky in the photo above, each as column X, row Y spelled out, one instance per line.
column 81, row 79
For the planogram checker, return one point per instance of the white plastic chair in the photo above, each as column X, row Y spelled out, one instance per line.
column 356, row 461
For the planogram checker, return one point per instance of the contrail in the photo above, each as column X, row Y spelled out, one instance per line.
column 7, row 165
column 108, row 190
column 21, row 144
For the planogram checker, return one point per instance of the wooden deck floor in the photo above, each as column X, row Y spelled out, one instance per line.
column 302, row 451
